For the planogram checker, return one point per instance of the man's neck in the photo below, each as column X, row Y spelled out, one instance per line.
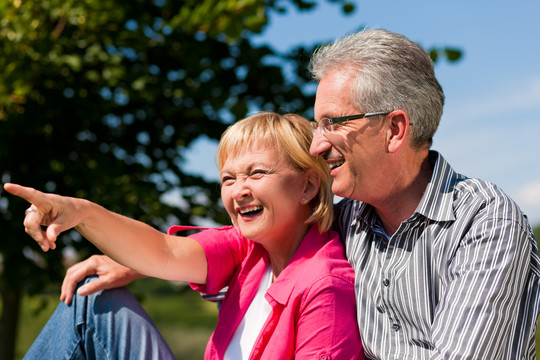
column 406, row 193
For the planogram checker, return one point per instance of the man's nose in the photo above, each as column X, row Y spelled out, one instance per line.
column 319, row 144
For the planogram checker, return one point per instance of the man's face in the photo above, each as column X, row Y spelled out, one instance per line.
column 355, row 151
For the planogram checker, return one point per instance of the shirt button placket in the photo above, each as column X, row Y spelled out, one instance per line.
column 395, row 326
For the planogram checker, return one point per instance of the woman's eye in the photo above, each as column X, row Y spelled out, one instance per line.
column 227, row 180
column 258, row 173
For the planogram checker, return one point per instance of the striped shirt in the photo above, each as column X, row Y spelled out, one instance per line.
column 459, row 279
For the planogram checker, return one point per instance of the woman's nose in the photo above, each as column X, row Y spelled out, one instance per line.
column 241, row 190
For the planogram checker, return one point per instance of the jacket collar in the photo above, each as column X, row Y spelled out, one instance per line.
column 282, row 288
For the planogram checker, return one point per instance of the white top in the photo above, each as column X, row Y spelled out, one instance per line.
column 253, row 321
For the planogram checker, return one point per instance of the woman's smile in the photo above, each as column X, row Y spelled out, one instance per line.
column 250, row 212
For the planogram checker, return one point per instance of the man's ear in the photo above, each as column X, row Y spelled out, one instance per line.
column 398, row 130
column 311, row 186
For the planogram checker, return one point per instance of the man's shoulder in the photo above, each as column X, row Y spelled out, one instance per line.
column 464, row 194
column 473, row 190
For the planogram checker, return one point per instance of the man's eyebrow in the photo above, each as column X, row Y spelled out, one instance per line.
column 326, row 115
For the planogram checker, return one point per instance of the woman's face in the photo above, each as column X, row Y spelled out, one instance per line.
column 263, row 193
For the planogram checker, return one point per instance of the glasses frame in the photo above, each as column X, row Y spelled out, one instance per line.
column 326, row 124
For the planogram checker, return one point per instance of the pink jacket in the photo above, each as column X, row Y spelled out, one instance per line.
column 313, row 302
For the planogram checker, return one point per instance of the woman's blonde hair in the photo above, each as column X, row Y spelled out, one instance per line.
column 293, row 134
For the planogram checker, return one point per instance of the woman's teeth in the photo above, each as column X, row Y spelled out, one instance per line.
column 251, row 210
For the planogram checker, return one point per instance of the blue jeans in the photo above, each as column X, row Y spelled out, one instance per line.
column 110, row 324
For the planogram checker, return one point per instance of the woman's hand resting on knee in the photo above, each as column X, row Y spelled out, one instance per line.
column 110, row 273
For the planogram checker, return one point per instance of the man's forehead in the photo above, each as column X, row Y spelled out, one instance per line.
column 334, row 94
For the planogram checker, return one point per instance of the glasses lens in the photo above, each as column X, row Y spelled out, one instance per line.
column 327, row 125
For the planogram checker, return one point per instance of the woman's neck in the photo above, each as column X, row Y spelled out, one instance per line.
column 281, row 256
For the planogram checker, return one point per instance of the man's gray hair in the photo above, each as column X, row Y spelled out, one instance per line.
column 391, row 73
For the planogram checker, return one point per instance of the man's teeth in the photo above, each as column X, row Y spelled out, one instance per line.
column 251, row 209
column 336, row 164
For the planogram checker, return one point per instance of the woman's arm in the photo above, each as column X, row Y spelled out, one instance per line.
column 129, row 242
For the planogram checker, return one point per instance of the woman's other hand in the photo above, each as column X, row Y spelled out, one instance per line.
column 111, row 275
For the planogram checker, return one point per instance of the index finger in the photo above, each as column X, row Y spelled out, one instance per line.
column 34, row 219
column 29, row 194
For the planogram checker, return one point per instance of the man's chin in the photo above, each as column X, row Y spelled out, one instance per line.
column 338, row 191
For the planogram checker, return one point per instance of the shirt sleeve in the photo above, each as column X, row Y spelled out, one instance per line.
column 327, row 326
column 225, row 249
column 479, row 311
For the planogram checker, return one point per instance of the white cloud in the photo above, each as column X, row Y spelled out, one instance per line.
column 530, row 194
column 528, row 198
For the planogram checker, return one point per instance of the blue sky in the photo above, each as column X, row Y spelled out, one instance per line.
column 491, row 123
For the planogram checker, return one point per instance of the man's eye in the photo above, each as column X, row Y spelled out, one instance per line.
column 329, row 127
column 325, row 123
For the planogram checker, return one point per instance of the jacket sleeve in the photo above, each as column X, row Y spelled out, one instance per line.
column 225, row 249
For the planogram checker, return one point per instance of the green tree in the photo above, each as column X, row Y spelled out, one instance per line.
column 99, row 99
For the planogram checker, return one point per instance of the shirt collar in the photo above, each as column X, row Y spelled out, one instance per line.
column 436, row 203
column 438, row 199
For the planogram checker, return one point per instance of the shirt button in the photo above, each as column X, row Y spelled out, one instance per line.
column 324, row 357
column 396, row 327
column 386, row 282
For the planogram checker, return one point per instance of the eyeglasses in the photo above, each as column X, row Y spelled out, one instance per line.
column 326, row 124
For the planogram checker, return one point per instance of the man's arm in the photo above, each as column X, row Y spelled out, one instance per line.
column 480, row 314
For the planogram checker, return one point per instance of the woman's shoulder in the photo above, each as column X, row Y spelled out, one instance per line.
column 326, row 262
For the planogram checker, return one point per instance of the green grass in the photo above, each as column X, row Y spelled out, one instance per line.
column 537, row 343
column 185, row 321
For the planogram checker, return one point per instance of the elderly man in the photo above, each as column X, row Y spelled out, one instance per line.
column 446, row 266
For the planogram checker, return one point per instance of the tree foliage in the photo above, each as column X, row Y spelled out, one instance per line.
column 99, row 99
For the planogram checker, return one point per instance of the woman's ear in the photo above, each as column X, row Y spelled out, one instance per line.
column 312, row 185
column 398, row 130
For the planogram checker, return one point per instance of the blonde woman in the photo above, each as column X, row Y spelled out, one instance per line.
column 291, row 291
